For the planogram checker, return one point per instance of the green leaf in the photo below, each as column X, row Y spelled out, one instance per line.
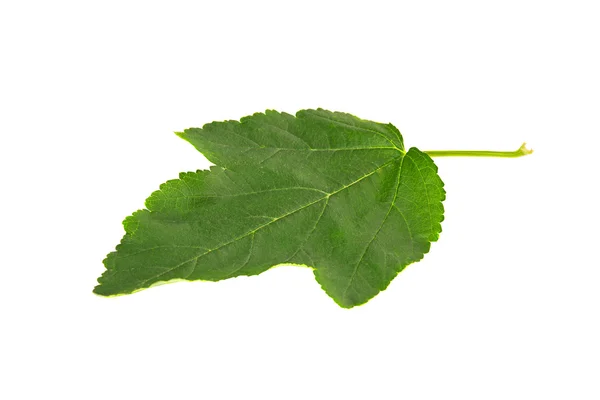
column 321, row 189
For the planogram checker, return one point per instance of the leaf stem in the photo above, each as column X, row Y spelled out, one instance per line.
column 521, row 151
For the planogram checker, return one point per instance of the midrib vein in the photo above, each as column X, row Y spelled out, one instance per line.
column 195, row 258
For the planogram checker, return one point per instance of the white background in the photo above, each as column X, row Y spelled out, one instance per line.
column 505, row 306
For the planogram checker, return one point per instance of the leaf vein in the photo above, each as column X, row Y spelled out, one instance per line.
column 351, row 280
column 301, row 247
column 229, row 275
column 268, row 223
column 426, row 195
column 412, row 243
column 355, row 127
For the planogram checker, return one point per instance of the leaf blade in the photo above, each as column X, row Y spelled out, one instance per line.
column 321, row 202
